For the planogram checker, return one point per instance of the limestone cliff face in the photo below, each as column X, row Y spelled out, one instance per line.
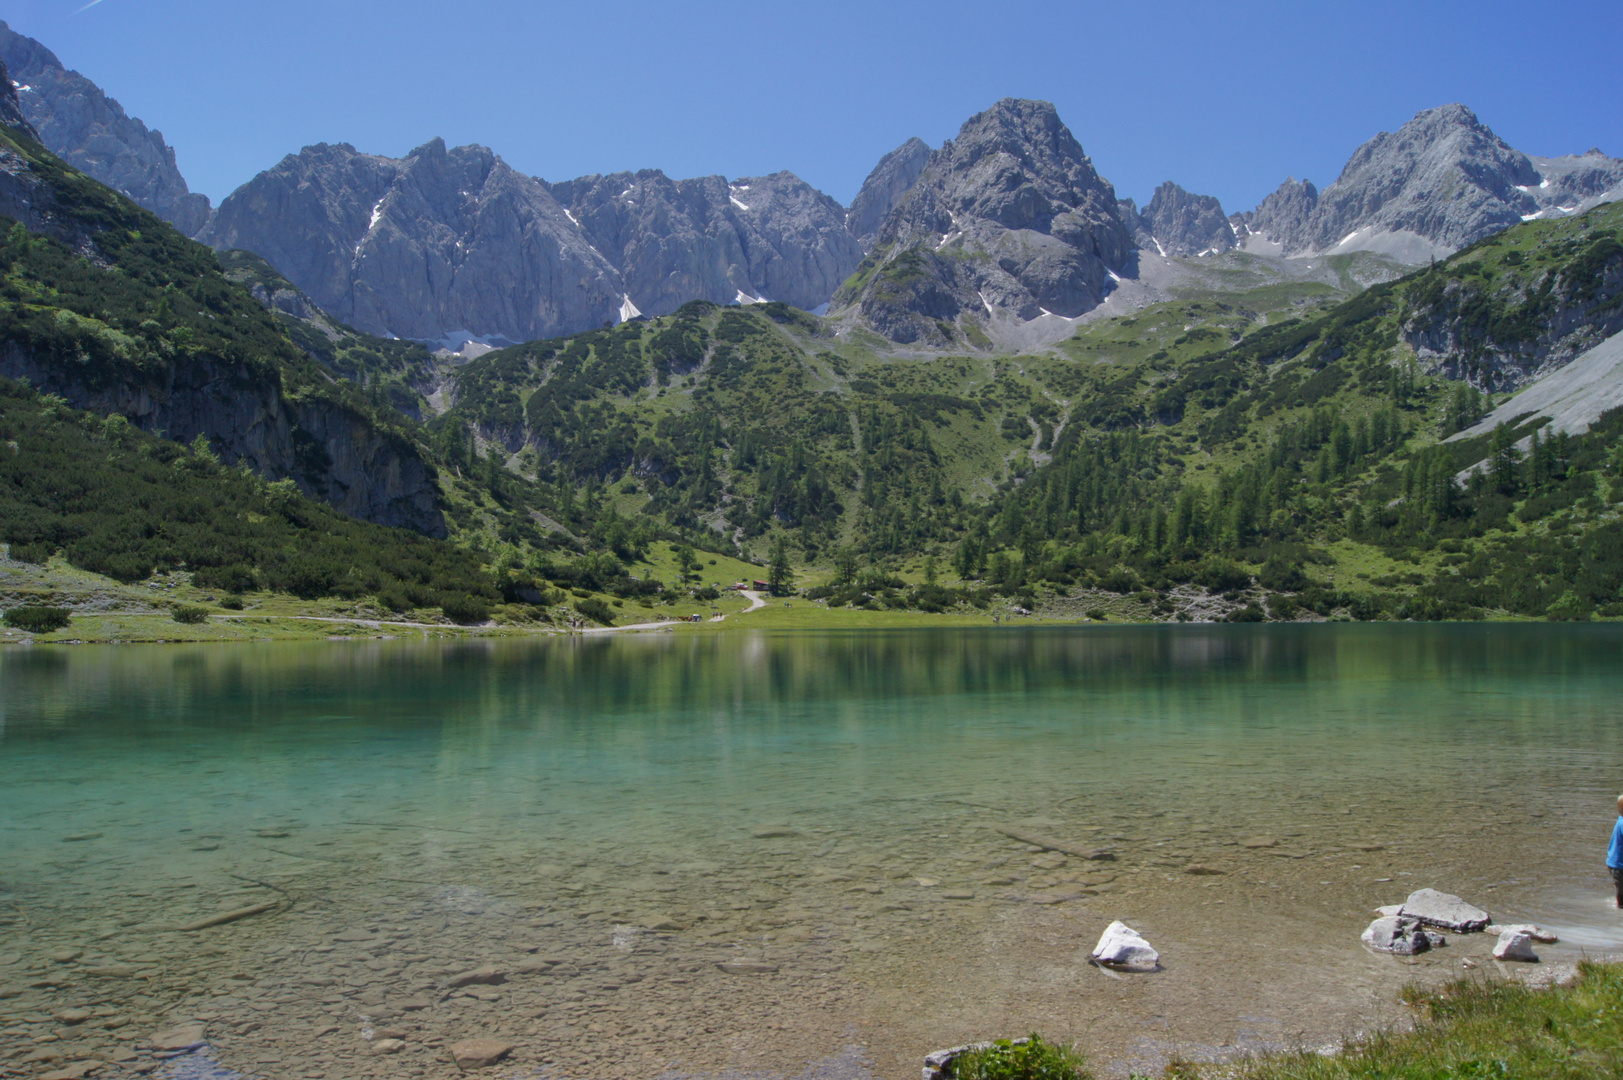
column 331, row 452
column 82, row 125
column 755, row 238
column 1007, row 221
column 891, row 179
column 439, row 241
column 11, row 110
column 1572, row 309
column 453, row 241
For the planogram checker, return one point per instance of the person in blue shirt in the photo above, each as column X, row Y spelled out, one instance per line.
column 1614, row 854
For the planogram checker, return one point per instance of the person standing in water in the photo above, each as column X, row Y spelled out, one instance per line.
column 1614, row 853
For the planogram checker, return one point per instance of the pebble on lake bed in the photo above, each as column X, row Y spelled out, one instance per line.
column 479, row 1053
column 180, row 1037
column 772, row 832
column 488, row 976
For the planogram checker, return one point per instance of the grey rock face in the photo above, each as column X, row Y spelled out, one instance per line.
column 1284, row 217
column 1443, row 176
column 1009, row 220
column 90, row 131
column 440, row 240
column 1577, row 182
column 1179, row 223
column 891, row 179
column 454, row 242
column 1444, row 911
column 11, row 110
column 365, row 472
column 767, row 237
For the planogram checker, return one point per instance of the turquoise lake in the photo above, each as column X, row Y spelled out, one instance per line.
column 780, row 852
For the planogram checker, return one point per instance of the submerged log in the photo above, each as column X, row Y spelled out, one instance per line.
column 233, row 916
column 1051, row 844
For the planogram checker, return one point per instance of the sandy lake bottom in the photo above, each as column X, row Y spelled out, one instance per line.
column 777, row 854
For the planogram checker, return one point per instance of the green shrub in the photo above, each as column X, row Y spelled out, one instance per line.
column 596, row 610
column 467, row 611
column 37, row 620
column 1281, row 575
column 1026, row 1059
column 190, row 614
column 232, row 603
column 1120, row 580
column 30, row 553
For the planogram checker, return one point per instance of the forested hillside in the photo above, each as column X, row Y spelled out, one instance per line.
column 1259, row 448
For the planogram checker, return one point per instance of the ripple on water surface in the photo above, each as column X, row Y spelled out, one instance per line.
column 758, row 851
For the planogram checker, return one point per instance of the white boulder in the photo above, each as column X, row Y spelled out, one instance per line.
column 1515, row 945
column 1121, row 946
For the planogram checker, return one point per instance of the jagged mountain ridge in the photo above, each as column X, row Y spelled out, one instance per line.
column 456, row 242
column 755, row 238
column 1177, row 222
column 438, row 241
column 79, row 123
column 491, row 259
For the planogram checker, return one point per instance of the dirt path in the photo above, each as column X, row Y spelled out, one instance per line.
column 757, row 601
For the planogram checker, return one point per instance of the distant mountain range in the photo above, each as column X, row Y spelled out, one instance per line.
column 1004, row 234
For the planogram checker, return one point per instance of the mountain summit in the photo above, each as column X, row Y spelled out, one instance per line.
column 1440, row 182
column 1009, row 221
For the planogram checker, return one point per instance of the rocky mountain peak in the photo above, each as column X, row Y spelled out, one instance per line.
column 1177, row 222
column 82, row 125
column 1441, row 181
column 1008, row 223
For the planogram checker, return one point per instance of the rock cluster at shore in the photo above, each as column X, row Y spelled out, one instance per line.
column 1402, row 928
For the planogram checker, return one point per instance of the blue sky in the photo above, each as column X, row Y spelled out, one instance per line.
column 1225, row 98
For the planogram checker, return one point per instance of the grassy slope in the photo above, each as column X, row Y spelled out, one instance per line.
column 1474, row 1030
